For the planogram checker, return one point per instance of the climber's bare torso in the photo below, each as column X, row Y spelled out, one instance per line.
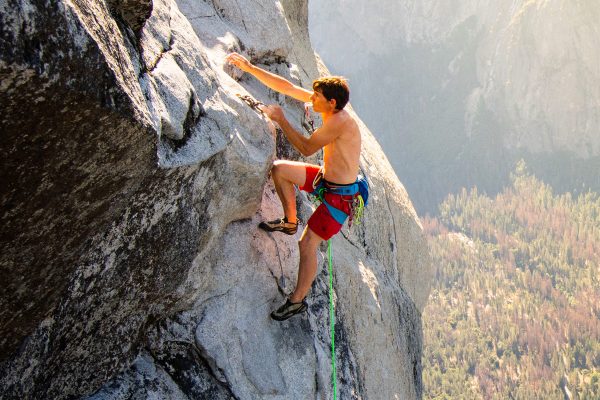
column 341, row 156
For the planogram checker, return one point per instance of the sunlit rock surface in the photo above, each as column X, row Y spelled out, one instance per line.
column 133, row 182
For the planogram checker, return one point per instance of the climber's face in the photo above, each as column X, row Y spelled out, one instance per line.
column 321, row 104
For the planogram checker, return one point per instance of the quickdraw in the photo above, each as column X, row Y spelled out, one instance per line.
column 253, row 103
column 307, row 121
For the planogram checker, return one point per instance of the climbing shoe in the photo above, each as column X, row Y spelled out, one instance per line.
column 279, row 225
column 289, row 309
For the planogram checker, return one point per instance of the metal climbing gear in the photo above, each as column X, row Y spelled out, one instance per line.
column 307, row 121
column 253, row 103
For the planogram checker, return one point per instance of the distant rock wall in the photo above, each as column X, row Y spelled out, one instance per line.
column 133, row 181
column 457, row 92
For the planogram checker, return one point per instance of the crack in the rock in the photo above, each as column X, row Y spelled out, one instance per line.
column 350, row 241
column 393, row 225
column 144, row 69
column 278, row 281
column 241, row 18
column 150, row 68
column 201, row 16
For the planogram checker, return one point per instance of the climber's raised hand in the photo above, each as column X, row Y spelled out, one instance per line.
column 275, row 113
column 239, row 61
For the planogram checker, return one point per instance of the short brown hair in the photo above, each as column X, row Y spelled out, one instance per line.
column 334, row 87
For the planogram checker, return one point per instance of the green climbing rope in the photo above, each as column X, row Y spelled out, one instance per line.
column 332, row 320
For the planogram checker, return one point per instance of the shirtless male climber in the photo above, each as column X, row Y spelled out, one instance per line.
column 339, row 137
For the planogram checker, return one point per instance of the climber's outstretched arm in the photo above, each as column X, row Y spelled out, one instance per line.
column 269, row 79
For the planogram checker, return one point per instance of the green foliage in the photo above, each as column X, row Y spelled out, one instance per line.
column 515, row 310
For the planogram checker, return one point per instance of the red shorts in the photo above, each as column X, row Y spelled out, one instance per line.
column 321, row 222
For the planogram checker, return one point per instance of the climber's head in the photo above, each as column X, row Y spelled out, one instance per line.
column 333, row 88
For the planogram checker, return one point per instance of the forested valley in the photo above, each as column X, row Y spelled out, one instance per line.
column 514, row 312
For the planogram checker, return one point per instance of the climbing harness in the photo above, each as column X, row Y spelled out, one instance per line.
column 332, row 321
column 359, row 191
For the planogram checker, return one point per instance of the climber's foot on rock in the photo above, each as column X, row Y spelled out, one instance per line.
column 279, row 225
column 288, row 310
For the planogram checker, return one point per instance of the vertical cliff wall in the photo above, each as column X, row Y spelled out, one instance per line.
column 459, row 91
column 133, row 182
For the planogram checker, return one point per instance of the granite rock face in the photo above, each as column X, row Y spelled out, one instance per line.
column 133, row 13
column 464, row 89
column 133, row 181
